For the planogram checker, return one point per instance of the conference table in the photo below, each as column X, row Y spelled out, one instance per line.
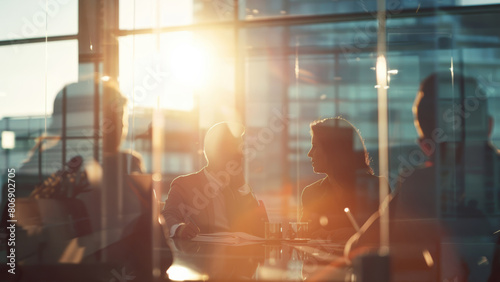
column 264, row 260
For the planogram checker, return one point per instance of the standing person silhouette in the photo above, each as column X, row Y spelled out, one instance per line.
column 349, row 182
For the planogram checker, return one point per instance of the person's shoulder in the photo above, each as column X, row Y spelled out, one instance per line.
column 136, row 161
column 372, row 183
column 135, row 155
column 315, row 184
column 187, row 179
column 377, row 179
column 313, row 187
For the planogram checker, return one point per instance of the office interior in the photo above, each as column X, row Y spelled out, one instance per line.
column 274, row 66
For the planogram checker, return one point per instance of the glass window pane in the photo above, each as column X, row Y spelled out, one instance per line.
column 261, row 8
column 165, row 13
column 252, row 9
column 179, row 71
column 283, row 65
column 33, row 18
column 189, row 76
column 31, row 76
column 138, row 14
column 477, row 2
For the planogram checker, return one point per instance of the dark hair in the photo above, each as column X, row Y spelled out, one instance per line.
column 459, row 90
column 336, row 134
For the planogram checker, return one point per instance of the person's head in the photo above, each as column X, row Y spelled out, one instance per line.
column 446, row 105
column 333, row 147
column 223, row 144
column 75, row 104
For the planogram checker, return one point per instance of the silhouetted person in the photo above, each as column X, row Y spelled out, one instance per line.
column 349, row 181
column 73, row 115
column 216, row 198
column 456, row 168
column 62, row 182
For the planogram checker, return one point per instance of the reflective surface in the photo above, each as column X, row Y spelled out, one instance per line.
column 264, row 261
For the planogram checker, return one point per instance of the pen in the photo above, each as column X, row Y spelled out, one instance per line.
column 351, row 218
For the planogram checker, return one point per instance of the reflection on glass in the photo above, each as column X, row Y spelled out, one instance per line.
column 311, row 60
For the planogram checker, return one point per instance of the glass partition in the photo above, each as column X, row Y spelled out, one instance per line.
column 107, row 117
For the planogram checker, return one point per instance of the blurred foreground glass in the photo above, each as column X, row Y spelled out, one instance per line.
column 273, row 230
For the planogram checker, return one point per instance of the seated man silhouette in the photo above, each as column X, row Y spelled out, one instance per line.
column 216, row 198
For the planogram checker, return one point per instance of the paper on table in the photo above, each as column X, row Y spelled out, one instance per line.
column 229, row 238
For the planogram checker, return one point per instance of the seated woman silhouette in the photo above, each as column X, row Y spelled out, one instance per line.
column 339, row 152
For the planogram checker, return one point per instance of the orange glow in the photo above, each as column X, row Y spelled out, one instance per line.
column 428, row 258
column 323, row 221
column 181, row 273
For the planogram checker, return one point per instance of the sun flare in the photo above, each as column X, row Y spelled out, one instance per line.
column 188, row 64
